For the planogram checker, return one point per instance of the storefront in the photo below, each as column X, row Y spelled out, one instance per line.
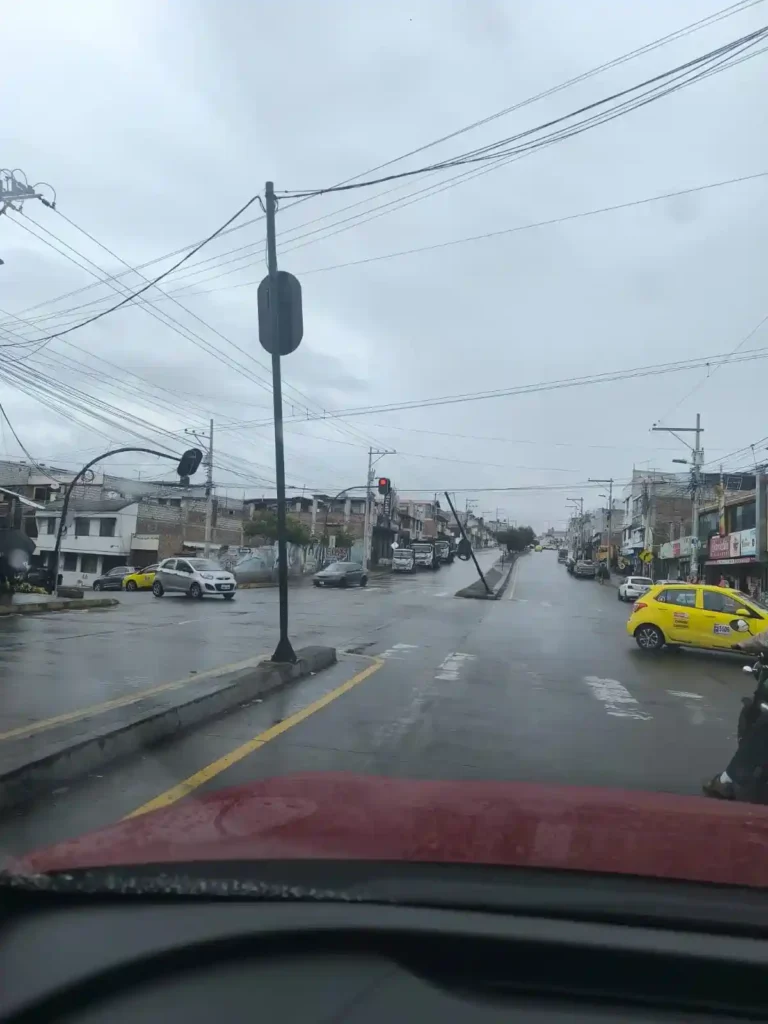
column 734, row 557
column 675, row 559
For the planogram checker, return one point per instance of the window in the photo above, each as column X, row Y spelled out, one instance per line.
column 89, row 563
column 41, row 494
column 82, row 527
column 176, row 502
column 742, row 517
column 687, row 598
column 50, row 525
column 183, row 566
column 107, row 527
column 168, row 564
column 70, row 562
column 714, row 602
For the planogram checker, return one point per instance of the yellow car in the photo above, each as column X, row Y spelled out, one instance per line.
column 695, row 615
column 538, row 547
column 142, row 579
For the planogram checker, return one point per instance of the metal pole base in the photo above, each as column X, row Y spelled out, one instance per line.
column 284, row 652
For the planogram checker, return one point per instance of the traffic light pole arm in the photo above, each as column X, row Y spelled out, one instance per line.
column 70, row 488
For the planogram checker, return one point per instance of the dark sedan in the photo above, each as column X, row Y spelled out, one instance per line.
column 113, row 580
column 340, row 574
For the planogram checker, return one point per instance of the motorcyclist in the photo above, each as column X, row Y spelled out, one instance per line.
column 752, row 752
column 603, row 573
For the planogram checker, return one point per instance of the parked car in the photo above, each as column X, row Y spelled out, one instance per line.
column 142, row 579
column 39, row 576
column 195, row 577
column 695, row 615
column 403, row 560
column 585, row 569
column 340, row 574
column 634, row 587
column 113, row 580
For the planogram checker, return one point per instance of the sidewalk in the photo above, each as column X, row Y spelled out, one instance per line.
column 33, row 604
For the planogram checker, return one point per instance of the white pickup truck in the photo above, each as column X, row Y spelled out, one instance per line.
column 426, row 558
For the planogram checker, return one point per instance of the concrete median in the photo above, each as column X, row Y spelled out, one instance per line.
column 54, row 604
column 497, row 578
column 43, row 755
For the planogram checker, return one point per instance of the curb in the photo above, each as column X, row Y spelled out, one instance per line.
column 65, row 605
column 498, row 584
column 70, row 750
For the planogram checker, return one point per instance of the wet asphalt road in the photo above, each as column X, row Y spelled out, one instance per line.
column 543, row 685
column 62, row 662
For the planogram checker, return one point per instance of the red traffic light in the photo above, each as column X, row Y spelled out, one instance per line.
column 385, row 485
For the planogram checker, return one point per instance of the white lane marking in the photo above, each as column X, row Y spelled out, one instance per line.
column 545, row 604
column 452, row 665
column 695, row 711
column 398, row 651
column 443, row 593
column 185, row 622
column 617, row 700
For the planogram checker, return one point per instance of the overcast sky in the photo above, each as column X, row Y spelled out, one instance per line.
column 154, row 122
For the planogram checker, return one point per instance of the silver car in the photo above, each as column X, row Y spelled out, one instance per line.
column 340, row 574
column 195, row 577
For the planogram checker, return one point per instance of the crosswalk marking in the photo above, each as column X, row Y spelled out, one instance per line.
column 452, row 665
column 617, row 700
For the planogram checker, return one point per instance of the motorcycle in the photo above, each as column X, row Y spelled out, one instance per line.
column 754, row 711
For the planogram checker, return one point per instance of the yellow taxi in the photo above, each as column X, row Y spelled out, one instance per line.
column 695, row 615
column 142, row 579
column 538, row 547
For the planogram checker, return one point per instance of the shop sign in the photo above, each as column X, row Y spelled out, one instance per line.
column 676, row 548
column 748, row 541
column 735, row 542
column 720, row 547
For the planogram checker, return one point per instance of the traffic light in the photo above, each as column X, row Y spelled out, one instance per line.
column 385, row 485
column 189, row 462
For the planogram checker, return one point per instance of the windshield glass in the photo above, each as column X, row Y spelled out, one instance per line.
column 399, row 537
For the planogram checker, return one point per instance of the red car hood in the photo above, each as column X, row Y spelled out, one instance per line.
column 349, row 817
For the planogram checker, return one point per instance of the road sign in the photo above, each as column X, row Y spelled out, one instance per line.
column 394, row 545
column 646, row 556
column 290, row 319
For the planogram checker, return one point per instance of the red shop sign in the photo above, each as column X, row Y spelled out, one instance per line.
column 720, row 547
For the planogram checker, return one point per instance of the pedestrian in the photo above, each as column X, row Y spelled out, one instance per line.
column 723, row 582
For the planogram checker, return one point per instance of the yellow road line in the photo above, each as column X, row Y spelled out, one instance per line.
column 129, row 698
column 170, row 796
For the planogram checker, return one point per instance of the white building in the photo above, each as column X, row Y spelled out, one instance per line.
column 100, row 535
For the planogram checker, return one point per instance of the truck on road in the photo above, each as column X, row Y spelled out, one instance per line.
column 403, row 560
column 443, row 551
column 426, row 557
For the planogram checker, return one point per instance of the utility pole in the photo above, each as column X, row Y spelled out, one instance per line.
column 608, row 481
column 580, row 503
column 209, row 491
column 208, row 482
column 368, row 521
column 697, row 461
column 284, row 650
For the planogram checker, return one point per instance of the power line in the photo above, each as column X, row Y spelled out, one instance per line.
column 555, row 385
column 692, row 27
column 493, row 150
column 150, row 284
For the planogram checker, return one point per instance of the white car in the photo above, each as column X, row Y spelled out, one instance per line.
column 195, row 577
column 634, row 587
